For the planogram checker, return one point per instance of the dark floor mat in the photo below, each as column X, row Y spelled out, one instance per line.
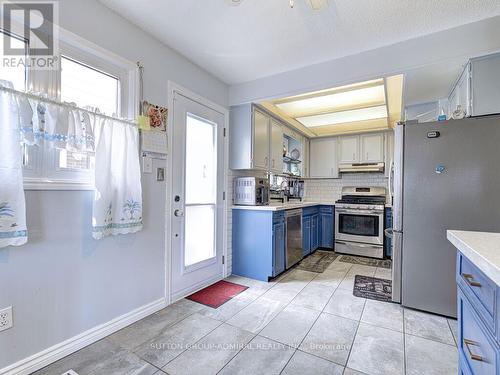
column 372, row 288
column 383, row 263
column 318, row 261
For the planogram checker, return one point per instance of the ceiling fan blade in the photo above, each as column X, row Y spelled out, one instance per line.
column 318, row 4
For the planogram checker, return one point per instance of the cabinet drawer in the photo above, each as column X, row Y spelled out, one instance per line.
column 476, row 347
column 481, row 289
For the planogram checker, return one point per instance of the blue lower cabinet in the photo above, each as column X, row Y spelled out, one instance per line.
column 326, row 229
column 388, row 225
column 314, row 232
column 477, row 349
column 258, row 243
column 306, row 235
column 478, row 320
column 278, row 247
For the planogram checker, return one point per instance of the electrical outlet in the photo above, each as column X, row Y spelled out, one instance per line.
column 6, row 319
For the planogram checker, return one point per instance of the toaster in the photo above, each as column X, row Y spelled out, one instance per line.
column 251, row 191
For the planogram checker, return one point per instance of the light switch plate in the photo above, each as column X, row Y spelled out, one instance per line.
column 160, row 174
column 147, row 164
column 6, row 320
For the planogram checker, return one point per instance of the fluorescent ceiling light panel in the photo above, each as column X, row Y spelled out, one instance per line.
column 354, row 115
column 337, row 101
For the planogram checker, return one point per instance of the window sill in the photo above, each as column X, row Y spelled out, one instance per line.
column 57, row 185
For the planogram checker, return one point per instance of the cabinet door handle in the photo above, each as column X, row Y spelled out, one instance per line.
column 353, row 156
column 475, row 357
column 265, row 161
column 367, row 156
column 470, row 280
column 273, row 163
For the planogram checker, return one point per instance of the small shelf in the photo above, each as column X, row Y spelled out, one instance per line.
column 287, row 159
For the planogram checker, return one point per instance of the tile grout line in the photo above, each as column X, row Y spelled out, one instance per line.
column 322, row 312
column 187, row 316
column 289, row 303
column 354, row 338
column 256, row 334
column 452, row 335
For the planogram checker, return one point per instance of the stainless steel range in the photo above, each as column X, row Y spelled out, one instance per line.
column 359, row 221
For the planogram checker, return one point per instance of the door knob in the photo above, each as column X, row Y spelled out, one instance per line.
column 178, row 213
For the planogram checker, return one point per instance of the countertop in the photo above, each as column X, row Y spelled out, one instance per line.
column 275, row 206
column 283, row 206
column 481, row 248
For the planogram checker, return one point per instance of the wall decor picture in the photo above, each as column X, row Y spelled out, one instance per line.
column 157, row 116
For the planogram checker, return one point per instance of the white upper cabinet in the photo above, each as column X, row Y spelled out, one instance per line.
column 389, row 152
column 460, row 94
column 249, row 138
column 372, row 148
column 305, row 157
column 255, row 140
column 261, row 140
column 323, row 158
column 349, row 149
column 364, row 148
column 476, row 91
column 276, row 152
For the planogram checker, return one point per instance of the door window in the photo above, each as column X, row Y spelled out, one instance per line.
column 201, row 187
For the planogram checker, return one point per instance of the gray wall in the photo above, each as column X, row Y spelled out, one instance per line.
column 63, row 282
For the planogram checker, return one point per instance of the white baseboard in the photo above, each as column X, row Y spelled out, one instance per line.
column 45, row 357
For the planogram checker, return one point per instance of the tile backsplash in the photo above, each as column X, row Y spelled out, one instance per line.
column 329, row 190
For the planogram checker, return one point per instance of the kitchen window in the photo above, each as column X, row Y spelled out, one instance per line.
column 89, row 77
column 17, row 74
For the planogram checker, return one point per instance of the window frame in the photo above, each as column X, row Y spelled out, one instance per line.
column 43, row 171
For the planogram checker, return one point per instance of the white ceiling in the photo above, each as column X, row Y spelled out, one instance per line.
column 263, row 37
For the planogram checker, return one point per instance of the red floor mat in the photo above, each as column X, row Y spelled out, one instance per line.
column 217, row 294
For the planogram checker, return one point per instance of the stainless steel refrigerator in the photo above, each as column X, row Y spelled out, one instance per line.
column 446, row 175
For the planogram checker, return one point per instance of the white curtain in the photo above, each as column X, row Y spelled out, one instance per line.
column 12, row 203
column 117, row 205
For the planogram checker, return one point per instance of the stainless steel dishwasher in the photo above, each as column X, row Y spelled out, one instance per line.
column 293, row 219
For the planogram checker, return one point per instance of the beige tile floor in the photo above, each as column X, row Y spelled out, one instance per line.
column 303, row 323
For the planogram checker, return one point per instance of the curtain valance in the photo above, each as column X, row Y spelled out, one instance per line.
column 28, row 118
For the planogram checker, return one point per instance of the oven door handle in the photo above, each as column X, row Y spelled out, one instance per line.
column 357, row 244
column 359, row 212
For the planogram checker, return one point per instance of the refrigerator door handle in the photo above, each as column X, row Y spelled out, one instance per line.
column 391, row 180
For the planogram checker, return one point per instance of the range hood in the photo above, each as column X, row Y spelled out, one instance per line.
column 361, row 167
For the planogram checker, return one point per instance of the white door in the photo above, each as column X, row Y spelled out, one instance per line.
column 349, row 149
column 260, row 141
column 372, row 148
column 197, row 196
column 323, row 158
column 276, row 147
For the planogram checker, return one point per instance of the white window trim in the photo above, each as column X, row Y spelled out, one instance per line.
column 82, row 50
